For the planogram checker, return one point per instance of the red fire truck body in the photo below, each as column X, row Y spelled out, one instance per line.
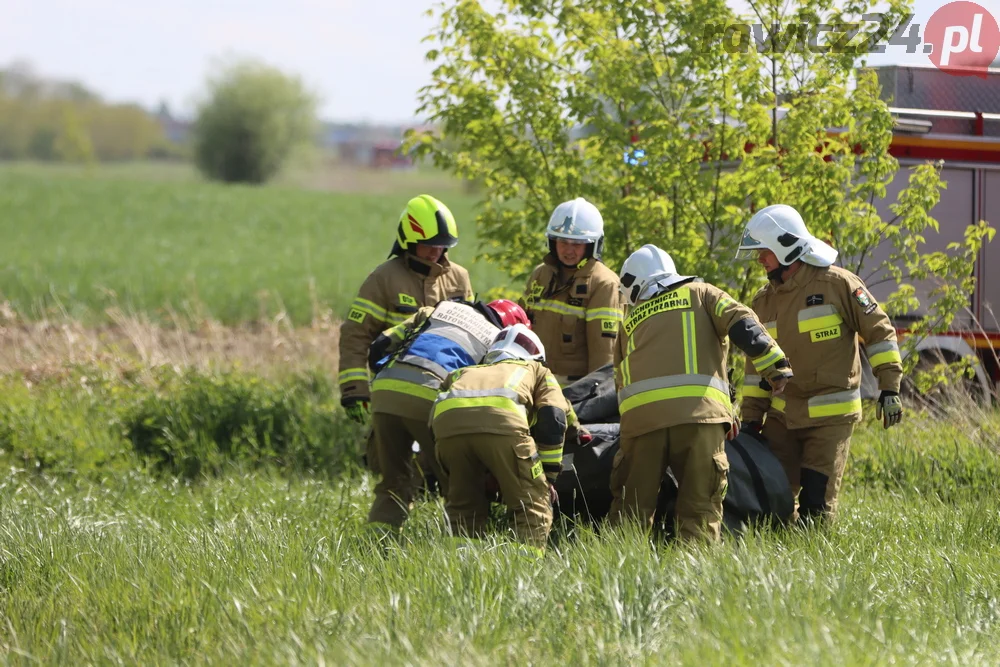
column 956, row 119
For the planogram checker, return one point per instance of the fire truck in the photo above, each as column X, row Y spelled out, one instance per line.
column 956, row 119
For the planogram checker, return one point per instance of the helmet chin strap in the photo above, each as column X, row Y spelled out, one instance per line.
column 778, row 275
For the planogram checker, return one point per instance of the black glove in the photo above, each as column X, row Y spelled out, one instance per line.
column 889, row 408
column 377, row 350
column 754, row 427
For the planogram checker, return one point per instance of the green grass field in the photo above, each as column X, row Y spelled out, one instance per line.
column 154, row 238
column 157, row 508
column 259, row 569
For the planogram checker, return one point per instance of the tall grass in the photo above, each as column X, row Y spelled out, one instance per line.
column 253, row 569
column 183, row 517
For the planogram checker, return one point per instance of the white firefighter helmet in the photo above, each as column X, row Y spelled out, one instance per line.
column 515, row 342
column 577, row 220
column 647, row 271
column 780, row 229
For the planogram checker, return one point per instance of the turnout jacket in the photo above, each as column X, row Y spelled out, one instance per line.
column 390, row 294
column 512, row 397
column 577, row 318
column 423, row 350
column 817, row 315
column 670, row 359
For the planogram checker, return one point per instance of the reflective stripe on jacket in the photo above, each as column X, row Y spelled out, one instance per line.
column 390, row 294
column 502, row 398
column 670, row 361
column 576, row 314
column 817, row 316
column 429, row 346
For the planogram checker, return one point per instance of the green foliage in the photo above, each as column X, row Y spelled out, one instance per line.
column 61, row 427
column 187, row 424
column 84, row 242
column 539, row 100
column 49, row 120
column 191, row 424
column 73, row 144
column 252, row 119
column 949, row 462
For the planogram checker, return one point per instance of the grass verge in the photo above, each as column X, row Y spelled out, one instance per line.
column 258, row 569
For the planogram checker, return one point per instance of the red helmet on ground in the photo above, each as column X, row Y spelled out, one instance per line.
column 509, row 313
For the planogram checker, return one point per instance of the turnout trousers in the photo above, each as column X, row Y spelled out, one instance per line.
column 814, row 460
column 393, row 441
column 696, row 455
column 514, row 462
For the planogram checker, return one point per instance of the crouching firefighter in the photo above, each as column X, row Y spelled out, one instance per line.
column 506, row 417
column 670, row 371
column 410, row 361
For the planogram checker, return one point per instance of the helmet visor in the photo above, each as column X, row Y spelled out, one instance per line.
column 768, row 234
column 527, row 344
column 749, row 247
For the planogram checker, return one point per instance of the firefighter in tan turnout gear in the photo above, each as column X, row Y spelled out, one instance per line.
column 410, row 361
column 816, row 311
column 572, row 298
column 673, row 396
column 507, row 417
column 418, row 274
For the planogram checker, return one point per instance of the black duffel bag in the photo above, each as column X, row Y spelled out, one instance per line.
column 593, row 397
column 758, row 489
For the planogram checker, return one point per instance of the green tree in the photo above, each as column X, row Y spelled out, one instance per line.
column 73, row 143
column 252, row 119
column 540, row 101
column 48, row 119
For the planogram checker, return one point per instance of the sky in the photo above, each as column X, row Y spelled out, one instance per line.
column 364, row 58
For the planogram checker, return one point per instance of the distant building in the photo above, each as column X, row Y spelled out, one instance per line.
column 373, row 146
column 176, row 130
